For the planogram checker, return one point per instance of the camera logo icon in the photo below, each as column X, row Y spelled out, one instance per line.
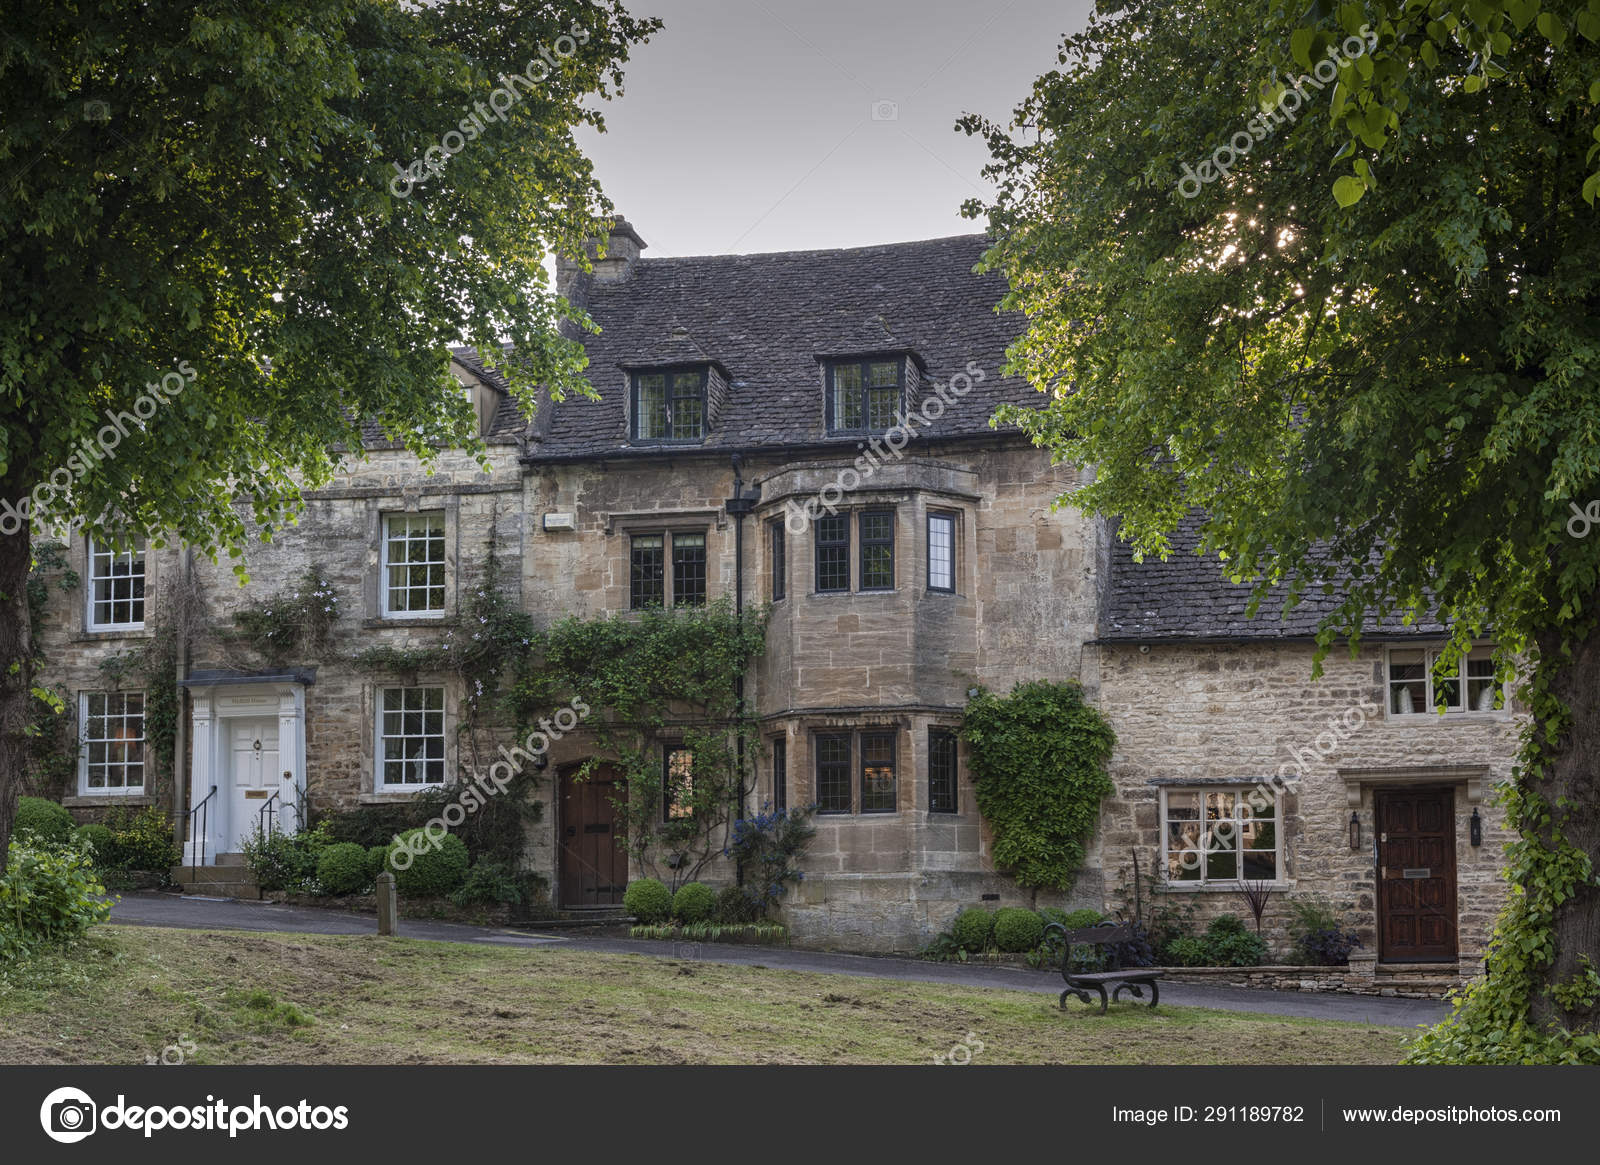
column 884, row 110
column 68, row 1115
column 96, row 111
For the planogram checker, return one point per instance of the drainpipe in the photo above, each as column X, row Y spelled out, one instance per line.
column 741, row 503
column 180, row 739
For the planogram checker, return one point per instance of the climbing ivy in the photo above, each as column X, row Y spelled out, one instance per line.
column 298, row 618
column 658, row 679
column 1038, row 763
column 1493, row 1018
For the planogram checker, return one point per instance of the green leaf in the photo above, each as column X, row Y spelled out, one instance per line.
column 1347, row 190
column 1553, row 28
column 1300, row 42
column 1591, row 185
column 1472, row 82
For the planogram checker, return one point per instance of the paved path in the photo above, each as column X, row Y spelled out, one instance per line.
column 171, row 910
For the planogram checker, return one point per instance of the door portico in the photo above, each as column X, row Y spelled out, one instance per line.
column 249, row 744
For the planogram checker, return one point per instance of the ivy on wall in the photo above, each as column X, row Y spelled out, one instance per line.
column 1038, row 763
column 658, row 679
column 300, row 618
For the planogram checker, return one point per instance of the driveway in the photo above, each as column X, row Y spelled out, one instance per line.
column 171, row 910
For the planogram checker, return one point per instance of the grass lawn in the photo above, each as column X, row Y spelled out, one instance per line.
column 243, row 998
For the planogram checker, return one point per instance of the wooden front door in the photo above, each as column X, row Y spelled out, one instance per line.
column 1416, row 875
column 594, row 867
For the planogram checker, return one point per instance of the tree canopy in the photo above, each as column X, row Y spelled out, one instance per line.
column 240, row 238
column 1395, row 401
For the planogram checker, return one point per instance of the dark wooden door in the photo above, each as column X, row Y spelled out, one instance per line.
column 1416, row 875
column 594, row 868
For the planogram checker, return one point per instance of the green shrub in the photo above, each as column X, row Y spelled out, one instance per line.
column 735, row 907
column 1185, row 951
column 693, row 902
column 44, row 820
column 342, row 868
column 142, row 840
column 648, row 901
column 1229, row 944
column 49, row 894
column 1079, row 919
column 490, row 883
column 101, row 842
column 972, row 929
column 286, row 861
column 377, row 861
column 429, row 871
column 1017, row 929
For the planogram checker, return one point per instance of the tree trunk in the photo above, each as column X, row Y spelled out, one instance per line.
column 1571, row 787
column 16, row 674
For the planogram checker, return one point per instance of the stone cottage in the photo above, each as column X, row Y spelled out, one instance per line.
column 810, row 430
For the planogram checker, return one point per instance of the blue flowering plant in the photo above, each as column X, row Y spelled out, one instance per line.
column 768, row 847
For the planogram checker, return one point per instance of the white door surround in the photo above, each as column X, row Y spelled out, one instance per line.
column 227, row 722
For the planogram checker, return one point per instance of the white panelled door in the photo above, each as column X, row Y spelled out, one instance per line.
column 253, row 745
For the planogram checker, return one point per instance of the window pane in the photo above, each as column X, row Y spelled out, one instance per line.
column 1183, row 806
column 413, row 549
column 780, row 773
column 780, row 562
column 411, row 728
column 1408, row 691
column 1484, row 693
column 833, row 774
column 689, row 570
column 1446, row 691
column 941, row 772
column 832, row 536
column 847, row 401
column 941, row 552
column 877, row 551
column 652, row 420
column 1183, row 851
column 677, row 784
column 883, row 374
column 646, row 571
column 116, row 585
column 877, row 772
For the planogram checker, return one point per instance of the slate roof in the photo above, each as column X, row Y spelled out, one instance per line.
column 1189, row 598
column 766, row 319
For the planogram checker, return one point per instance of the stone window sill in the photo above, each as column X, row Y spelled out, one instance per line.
column 106, row 800
column 1280, row 885
column 393, row 798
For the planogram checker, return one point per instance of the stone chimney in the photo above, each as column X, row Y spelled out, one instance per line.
column 622, row 247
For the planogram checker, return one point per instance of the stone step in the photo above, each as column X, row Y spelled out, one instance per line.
column 1447, row 970
column 230, row 860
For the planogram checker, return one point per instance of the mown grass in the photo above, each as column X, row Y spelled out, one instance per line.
column 127, row 993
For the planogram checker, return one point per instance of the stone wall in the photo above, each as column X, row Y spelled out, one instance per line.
column 1248, row 713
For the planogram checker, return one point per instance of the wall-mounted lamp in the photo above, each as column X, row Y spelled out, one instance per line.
column 1355, row 830
column 1475, row 829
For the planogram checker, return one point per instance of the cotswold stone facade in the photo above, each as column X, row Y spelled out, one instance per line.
column 910, row 553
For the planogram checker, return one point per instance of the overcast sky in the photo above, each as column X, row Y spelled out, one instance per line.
column 774, row 125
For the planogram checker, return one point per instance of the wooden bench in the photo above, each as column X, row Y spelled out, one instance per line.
column 1130, row 979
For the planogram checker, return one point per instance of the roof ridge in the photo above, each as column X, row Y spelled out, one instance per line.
column 735, row 256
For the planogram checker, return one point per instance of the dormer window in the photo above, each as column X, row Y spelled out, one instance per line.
column 669, row 405
column 865, row 395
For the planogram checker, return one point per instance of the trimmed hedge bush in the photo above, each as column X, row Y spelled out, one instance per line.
column 142, row 840
column 972, row 929
column 377, row 860
column 432, row 872
column 693, row 902
column 1078, row 919
column 44, row 820
column 342, row 868
column 648, row 901
column 1017, row 930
